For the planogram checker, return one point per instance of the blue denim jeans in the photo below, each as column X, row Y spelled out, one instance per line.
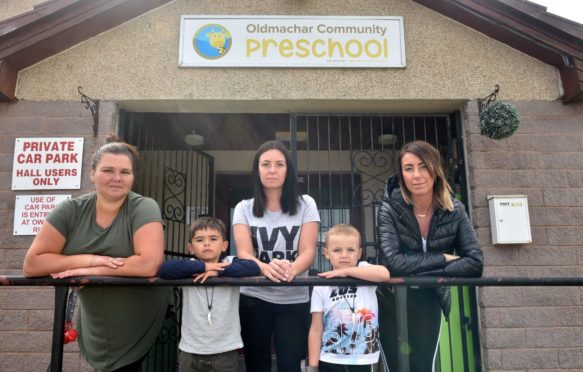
column 222, row 362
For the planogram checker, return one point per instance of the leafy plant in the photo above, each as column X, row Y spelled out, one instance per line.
column 499, row 120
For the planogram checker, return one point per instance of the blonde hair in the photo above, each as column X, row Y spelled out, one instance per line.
column 430, row 156
column 345, row 229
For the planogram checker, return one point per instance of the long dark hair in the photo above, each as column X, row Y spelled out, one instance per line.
column 430, row 156
column 290, row 194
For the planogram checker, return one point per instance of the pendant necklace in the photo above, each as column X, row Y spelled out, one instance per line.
column 418, row 212
column 209, row 305
column 352, row 308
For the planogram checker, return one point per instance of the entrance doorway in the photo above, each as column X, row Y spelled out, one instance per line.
column 342, row 162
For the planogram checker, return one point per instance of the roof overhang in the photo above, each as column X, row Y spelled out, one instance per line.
column 54, row 26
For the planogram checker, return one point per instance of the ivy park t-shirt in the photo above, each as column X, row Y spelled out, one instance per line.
column 277, row 235
column 117, row 325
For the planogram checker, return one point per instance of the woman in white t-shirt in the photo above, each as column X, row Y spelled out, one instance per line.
column 278, row 229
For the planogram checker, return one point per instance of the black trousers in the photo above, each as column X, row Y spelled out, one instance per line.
column 329, row 367
column 424, row 323
column 287, row 325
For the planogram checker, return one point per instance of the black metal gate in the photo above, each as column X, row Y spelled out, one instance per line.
column 179, row 178
column 344, row 161
column 182, row 182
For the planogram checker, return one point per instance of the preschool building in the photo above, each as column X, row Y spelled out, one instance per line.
column 197, row 86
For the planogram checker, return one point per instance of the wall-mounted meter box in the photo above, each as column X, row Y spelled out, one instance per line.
column 509, row 219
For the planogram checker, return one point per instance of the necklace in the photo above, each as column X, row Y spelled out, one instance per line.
column 418, row 212
column 352, row 308
column 209, row 305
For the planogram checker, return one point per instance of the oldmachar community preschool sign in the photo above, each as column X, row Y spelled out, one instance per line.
column 47, row 163
column 271, row 41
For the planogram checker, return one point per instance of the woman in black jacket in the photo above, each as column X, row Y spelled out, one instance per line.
column 422, row 230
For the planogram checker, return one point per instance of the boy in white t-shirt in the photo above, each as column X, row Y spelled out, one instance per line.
column 344, row 331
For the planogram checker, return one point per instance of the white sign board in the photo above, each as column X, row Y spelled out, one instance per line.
column 47, row 163
column 30, row 211
column 282, row 41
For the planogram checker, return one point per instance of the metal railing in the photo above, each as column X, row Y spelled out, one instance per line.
column 400, row 285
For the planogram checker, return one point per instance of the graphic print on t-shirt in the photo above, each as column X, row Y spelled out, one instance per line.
column 268, row 242
column 349, row 330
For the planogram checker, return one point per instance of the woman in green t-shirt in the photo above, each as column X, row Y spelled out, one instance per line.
column 113, row 232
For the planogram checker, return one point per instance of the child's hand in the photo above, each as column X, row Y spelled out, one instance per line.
column 210, row 269
column 204, row 276
column 340, row 273
column 215, row 266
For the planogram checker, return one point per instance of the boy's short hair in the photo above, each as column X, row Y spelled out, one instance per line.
column 208, row 223
column 343, row 228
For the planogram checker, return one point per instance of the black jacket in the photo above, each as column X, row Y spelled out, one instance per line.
column 401, row 248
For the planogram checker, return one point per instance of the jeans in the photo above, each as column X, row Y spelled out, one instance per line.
column 286, row 324
column 424, row 323
column 222, row 362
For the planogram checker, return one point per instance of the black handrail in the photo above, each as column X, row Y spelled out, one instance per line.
column 425, row 281
column 62, row 286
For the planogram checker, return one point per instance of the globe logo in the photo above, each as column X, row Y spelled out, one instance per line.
column 212, row 41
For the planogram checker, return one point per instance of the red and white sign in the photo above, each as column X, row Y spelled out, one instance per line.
column 47, row 163
column 30, row 211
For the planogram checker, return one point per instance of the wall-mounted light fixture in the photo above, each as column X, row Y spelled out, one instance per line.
column 193, row 139
column 387, row 139
column 285, row 136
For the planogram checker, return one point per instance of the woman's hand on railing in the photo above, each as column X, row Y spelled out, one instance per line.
column 277, row 270
column 111, row 262
column 83, row 271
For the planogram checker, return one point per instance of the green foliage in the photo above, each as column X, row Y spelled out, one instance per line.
column 499, row 120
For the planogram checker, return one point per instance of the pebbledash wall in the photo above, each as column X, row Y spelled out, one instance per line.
column 449, row 66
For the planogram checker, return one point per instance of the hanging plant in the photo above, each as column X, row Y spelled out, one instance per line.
column 499, row 120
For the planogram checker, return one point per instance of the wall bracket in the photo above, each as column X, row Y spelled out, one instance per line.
column 93, row 106
column 486, row 101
